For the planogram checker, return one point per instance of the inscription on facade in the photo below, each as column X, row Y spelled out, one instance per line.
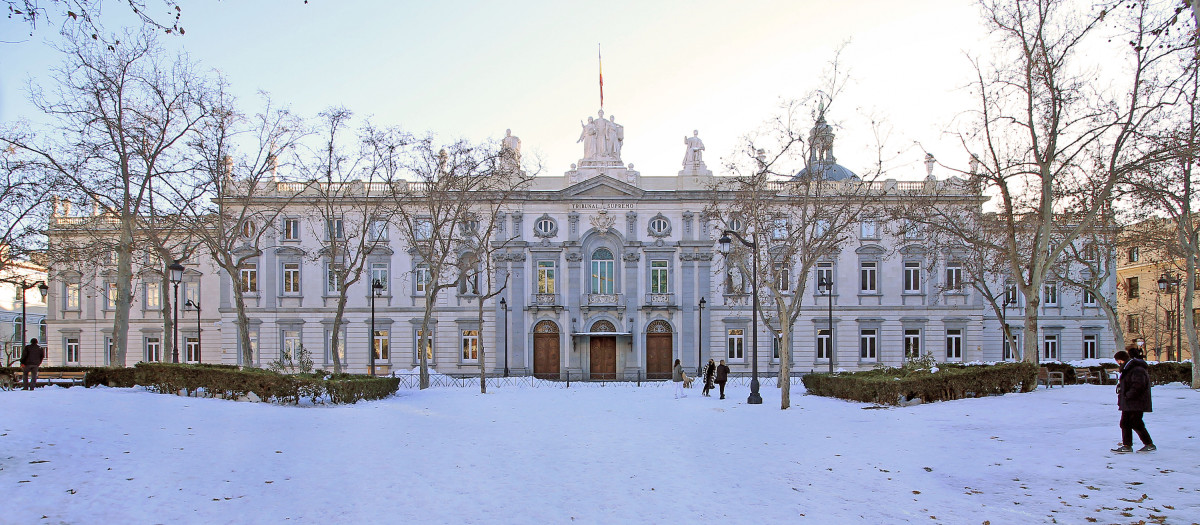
column 602, row 205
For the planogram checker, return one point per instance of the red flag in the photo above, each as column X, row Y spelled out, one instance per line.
column 600, row 61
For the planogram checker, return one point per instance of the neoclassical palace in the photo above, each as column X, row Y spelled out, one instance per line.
column 611, row 274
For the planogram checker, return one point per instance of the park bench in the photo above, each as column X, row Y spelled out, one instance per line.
column 1085, row 375
column 52, row 377
column 1048, row 378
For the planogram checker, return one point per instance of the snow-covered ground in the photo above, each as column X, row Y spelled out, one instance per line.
column 613, row 454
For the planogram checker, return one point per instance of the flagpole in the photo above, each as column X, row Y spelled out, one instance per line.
column 600, row 63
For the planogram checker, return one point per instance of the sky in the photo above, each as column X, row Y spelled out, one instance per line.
column 594, row 453
column 474, row 69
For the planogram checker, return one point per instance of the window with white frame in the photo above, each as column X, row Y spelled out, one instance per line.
column 821, row 228
column 912, row 343
column 248, row 276
column 291, row 278
column 425, row 343
column 1050, row 347
column 545, row 277
column 253, row 346
column 1050, row 293
column 912, row 230
column 470, row 346
column 421, row 279
column 954, row 343
column 779, row 228
column 912, row 277
column 1010, row 294
column 153, row 295
column 110, row 295
column 341, row 346
column 152, row 350
column 659, row 226
column 735, row 343
column 333, row 278
column 1011, row 346
column 71, row 355
column 659, row 282
column 824, row 343
column 71, row 293
column 381, row 342
column 603, row 271
column 783, row 277
column 1089, row 346
column 867, row 344
column 776, row 346
column 869, row 229
column 545, row 227
column 108, row 350
column 379, row 274
column 191, row 292
column 291, row 229
column 377, row 230
column 335, row 229
column 954, row 277
column 824, row 277
column 868, row 274
column 191, row 347
column 1089, row 293
column 290, row 349
column 423, row 229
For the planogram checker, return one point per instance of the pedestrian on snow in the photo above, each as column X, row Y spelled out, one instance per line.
column 677, row 377
column 1133, row 399
column 722, row 377
column 31, row 358
column 710, row 369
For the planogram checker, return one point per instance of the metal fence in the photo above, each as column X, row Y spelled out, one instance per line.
column 576, row 380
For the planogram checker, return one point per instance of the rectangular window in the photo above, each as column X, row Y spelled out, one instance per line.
column 868, row 273
column 1010, row 347
column 153, row 295
column 291, row 229
column 379, row 274
column 912, row 277
column 249, row 277
column 1089, row 346
column 1131, row 287
column 603, row 276
column 1132, row 323
column 341, row 346
column 291, row 278
column 1050, row 293
column 377, row 230
column 1010, row 294
column 153, row 350
column 776, row 346
column 108, row 351
column 110, row 296
column 736, row 344
column 191, row 347
column 545, row 277
column 333, row 279
column 824, row 277
column 291, row 344
column 824, row 343
column 423, row 229
column 1089, row 294
column 71, row 292
column 382, row 344
column 191, row 292
column 335, row 229
column 1050, row 347
column 72, row 351
column 912, row 230
column 779, row 229
column 421, row 278
column 1170, row 318
column 954, row 277
column 658, row 277
column 424, row 343
column 954, row 343
column 870, row 229
column 912, row 343
column 867, row 340
column 1133, row 254
column 783, row 277
column 470, row 346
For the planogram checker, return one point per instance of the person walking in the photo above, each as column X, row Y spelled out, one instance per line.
column 710, row 369
column 31, row 358
column 722, row 376
column 677, row 377
column 1133, row 399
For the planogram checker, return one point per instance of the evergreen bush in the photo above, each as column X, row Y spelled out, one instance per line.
column 229, row 382
column 893, row 385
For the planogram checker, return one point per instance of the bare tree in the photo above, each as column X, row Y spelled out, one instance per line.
column 124, row 116
column 84, row 15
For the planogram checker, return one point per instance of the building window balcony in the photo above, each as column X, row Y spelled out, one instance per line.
column 660, row 299
column 545, row 299
column 603, row 299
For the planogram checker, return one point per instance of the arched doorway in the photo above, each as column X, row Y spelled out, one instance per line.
column 658, row 350
column 603, row 351
column 545, row 350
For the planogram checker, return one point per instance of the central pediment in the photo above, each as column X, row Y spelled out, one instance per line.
column 601, row 186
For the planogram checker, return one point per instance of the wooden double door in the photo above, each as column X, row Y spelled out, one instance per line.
column 658, row 356
column 603, row 350
column 545, row 355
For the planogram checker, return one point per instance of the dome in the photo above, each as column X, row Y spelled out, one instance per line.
column 828, row 171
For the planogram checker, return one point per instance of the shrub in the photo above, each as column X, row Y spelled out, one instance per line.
column 231, row 383
column 889, row 386
column 112, row 376
column 1167, row 372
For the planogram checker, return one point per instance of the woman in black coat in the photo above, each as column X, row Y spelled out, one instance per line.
column 722, row 376
column 1133, row 399
column 710, row 370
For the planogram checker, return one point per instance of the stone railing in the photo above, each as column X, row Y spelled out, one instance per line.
column 660, row 299
column 544, row 299
column 602, row 299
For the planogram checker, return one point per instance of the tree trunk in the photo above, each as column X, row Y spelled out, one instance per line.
column 124, row 291
column 1029, row 349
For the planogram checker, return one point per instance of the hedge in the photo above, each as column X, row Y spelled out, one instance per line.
column 231, row 383
column 891, row 385
column 1161, row 373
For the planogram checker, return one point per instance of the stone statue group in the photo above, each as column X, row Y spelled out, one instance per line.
column 602, row 138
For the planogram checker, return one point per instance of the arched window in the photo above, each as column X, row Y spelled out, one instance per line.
column 603, row 326
column 546, row 327
column 603, row 271
column 659, row 327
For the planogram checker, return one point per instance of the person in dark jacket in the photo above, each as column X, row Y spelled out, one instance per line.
column 710, row 369
column 722, row 376
column 1133, row 399
column 31, row 358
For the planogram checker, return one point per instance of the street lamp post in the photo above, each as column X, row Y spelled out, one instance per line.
column 176, row 273
column 376, row 289
column 199, row 341
column 755, row 398
column 700, row 339
column 504, row 308
column 1170, row 283
column 827, row 284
